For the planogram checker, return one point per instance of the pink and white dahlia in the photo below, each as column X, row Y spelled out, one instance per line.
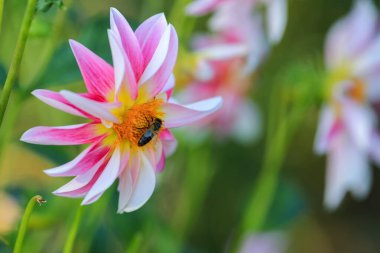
column 347, row 131
column 129, row 111
column 223, row 62
column 235, row 13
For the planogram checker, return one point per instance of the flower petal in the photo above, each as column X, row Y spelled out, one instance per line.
column 128, row 41
column 145, row 184
column 62, row 135
column 124, row 74
column 325, row 126
column 56, row 100
column 106, row 179
column 179, row 115
column 276, row 19
column 168, row 140
column 82, row 163
column 81, row 184
column 125, row 189
column 201, row 7
column 158, row 57
column 348, row 170
column 100, row 110
column 149, row 34
column 360, row 123
column 156, row 84
column 97, row 74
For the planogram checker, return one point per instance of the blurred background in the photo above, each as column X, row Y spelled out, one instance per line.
column 204, row 190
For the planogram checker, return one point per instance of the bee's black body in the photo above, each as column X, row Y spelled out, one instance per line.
column 150, row 132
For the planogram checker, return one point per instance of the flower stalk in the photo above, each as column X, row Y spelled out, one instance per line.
column 17, row 57
column 25, row 220
column 68, row 248
column 1, row 13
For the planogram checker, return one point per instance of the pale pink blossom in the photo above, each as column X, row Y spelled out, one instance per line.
column 347, row 131
column 129, row 111
column 238, row 13
column 219, row 73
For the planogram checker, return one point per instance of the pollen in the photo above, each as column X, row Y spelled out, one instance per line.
column 137, row 120
column 357, row 91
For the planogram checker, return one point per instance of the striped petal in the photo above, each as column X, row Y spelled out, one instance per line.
column 128, row 40
column 144, row 187
column 106, row 179
column 158, row 81
column 62, row 135
column 56, row 100
column 81, row 184
column 82, row 163
column 124, row 74
column 149, row 34
column 97, row 74
column 180, row 115
column 100, row 110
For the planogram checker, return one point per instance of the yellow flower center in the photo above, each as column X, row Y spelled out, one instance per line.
column 137, row 120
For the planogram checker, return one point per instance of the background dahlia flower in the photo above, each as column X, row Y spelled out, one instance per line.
column 129, row 111
column 347, row 131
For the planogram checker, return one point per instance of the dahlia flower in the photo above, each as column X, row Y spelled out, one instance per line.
column 347, row 131
column 219, row 72
column 129, row 110
column 234, row 13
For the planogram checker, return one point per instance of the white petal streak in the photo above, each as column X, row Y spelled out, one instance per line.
column 326, row 121
column 158, row 56
column 144, row 188
column 106, row 179
column 348, row 170
column 98, row 109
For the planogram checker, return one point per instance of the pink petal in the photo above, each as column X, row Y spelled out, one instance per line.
column 81, row 184
column 56, row 100
column 128, row 41
column 369, row 62
column 149, row 34
column 202, row 7
column 106, row 179
column 63, row 135
column 97, row 74
column 347, row 170
column 101, row 110
column 82, row 163
column 168, row 87
column 360, row 123
column 340, row 45
column 144, row 187
column 161, row 77
column 179, row 115
column 325, row 126
column 161, row 163
column 158, row 56
column 124, row 74
column 168, row 140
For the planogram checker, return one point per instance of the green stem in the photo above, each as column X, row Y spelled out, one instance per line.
column 68, row 248
column 16, row 60
column 1, row 13
column 24, row 222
